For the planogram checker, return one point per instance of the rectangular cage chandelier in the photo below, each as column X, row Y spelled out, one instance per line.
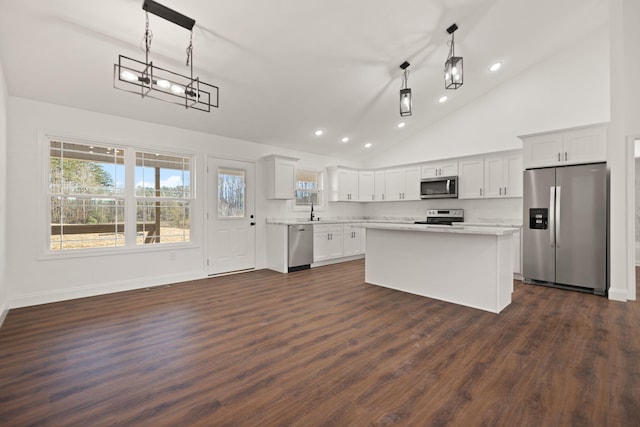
column 150, row 81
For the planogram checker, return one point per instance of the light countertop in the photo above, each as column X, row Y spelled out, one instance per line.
column 454, row 229
column 495, row 223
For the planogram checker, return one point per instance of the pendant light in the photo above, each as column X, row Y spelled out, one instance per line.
column 148, row 80
column 453, row 66
column 405, row 92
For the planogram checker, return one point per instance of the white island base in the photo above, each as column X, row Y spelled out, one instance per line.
column 471, row 267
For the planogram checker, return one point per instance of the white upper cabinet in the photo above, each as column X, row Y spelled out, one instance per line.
column 347, row 185
column 403, row 183
column 281, row 177
column 503, row 176
column 411, row 175
column 471, row 178
column 433, row 170
column 395, row 184
column 380, row 186
column 566, row 147
column 343, row 184
column 366, row 186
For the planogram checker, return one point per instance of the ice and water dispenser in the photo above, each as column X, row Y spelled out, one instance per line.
column 538, row 218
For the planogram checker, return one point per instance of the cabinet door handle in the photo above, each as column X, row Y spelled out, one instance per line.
column 505, row 191
column 481, row 191
column 382, row 196
column 500, row 192
column 565, row 156
column 559, row 159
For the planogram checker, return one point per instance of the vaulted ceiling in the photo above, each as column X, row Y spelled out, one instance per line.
column 287, row 67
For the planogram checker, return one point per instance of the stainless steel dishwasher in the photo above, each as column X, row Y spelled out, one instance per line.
column 300, row 247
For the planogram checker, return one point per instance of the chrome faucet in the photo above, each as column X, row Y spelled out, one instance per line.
column 312, row 214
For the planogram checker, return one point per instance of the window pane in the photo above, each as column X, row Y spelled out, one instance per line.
column 162, row 221
column 159, row 175
column 231, row 193
column 307, row 187
column 86, row 223
column 85, row 169
column 306, row 198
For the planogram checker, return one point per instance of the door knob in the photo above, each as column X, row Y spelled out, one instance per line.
column 253, row 223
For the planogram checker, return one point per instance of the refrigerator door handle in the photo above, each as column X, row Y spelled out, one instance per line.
column 557, row 219
column 552, row 216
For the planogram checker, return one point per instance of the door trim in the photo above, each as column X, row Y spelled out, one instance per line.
column 208, row 204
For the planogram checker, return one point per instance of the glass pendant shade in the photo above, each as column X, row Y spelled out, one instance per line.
column 405, row 102
column 453, row 78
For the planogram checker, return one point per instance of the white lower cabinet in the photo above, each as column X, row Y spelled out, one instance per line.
column 332, row 241
column 327, row 241
column 517, row 254
column 353, row 240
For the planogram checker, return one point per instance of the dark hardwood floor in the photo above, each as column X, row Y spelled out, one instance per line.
column 319, row 347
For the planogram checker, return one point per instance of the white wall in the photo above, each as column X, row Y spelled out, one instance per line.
column 33, row 279
column 637, row 203
column 3, row 195
column 569, row 89
column 625, row 126
column 637, row 190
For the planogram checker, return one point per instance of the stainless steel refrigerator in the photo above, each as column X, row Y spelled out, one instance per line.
column 565, row 236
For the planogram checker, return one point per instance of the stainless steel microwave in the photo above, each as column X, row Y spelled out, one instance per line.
column 442, row 187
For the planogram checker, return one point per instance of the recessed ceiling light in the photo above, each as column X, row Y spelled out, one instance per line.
column 345, row 139
column 318, row 132
column 496, row 66
column 401, row 124
column 368, row 145
column 443, row 98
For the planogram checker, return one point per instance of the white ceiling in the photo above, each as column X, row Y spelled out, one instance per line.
column 287, row 67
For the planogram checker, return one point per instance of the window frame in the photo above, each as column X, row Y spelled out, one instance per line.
column 321, row 192
column 188, row 199
column 44, row 200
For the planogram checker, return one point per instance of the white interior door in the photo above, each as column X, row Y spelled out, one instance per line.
column 231, row 213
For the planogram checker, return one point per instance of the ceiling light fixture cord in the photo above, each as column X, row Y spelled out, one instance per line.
column 452, row 48
column 190, row 47
column 148, row 37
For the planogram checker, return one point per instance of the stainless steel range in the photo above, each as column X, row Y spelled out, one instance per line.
column 443, row 216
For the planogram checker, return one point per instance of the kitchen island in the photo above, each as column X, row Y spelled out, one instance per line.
column 465, row 265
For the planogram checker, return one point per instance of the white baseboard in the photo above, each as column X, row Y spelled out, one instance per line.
column 3, row 315
column 616, row 294
column 336, row 260
column 101, row 289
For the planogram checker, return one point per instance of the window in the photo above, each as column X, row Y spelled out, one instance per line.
column 231, row 193
column 88, row 200
column 163, row 198
column 86, row 196
column 308, row 188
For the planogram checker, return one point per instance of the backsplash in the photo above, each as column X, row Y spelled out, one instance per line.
column 475, row 210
